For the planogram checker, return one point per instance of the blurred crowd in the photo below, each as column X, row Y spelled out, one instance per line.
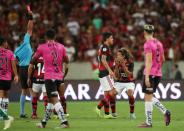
column 79, row 24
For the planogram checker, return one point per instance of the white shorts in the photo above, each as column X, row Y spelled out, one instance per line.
column 107, row 83
column 121, row 86
column 38, row 88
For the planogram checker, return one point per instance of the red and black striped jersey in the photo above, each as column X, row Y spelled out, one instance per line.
column 123, row 76
column 38, row 71
column 105, row 50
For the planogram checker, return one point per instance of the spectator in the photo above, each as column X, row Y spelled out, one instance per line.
column 140, row 73
column 170, row 62
column 92, row 17
column 97, row 22
column 177, row 73
column 70, row 50
column 73, row 27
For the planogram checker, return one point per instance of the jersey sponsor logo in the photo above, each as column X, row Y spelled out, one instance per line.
column 124, row 75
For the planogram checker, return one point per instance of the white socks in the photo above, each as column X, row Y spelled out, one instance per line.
column 59, row 109
column 48, row 112
column 159, row 105
column 148, row 112
column 149, row 109
column 4, row 102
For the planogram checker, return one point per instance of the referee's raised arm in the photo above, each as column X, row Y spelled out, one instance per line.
column 30, row 22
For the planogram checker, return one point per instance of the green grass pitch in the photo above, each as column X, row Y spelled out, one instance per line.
column 83, row 118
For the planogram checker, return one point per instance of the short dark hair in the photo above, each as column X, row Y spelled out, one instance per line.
column 50, row 34
column 2, row 40
column 149, row 28
column 106, row 35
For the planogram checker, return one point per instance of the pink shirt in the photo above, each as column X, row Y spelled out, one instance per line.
column 6, row 56
column 155, row 47
column 53, row 54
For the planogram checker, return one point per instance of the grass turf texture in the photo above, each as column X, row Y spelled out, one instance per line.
column 83, row 118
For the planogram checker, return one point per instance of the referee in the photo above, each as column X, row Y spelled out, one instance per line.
column 23, row 54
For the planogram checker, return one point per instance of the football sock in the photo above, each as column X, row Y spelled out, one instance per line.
column 59, row 109
column 45, row 101
column 3, row 115
column 48, row 112
column 107, row 102
column 113, row 105
column 4, row 104
column 131, row 103
column 63, row 103
column 101, row 104
column 159, row 105
column 34, row 105
column 148, row 112
column 22, row 104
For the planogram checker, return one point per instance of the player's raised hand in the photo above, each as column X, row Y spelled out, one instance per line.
column 29, row 10
column 117, row 62
column 123, row 63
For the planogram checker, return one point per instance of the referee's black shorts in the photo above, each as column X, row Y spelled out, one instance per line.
column 154, row 81
column 5, row 85
column 23, row 74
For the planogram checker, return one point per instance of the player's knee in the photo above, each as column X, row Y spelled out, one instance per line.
column 148, row 97
column 130, row 93
column 112, row 93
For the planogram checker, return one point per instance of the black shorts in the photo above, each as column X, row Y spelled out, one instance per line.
column 154, row 81
column 23, row 74
column 5, row 85
column 52, row 87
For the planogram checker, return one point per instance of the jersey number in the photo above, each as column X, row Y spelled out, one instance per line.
column 3, row 63
column 40, row 69
column 158, row 54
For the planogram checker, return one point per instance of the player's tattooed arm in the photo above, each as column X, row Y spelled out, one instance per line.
column 104, row 61
column 116, row 72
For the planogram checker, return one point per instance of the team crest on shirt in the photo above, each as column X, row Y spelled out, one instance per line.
column 104, row 49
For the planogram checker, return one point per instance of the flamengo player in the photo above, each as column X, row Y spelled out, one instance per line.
column 7, row 66
column 124, row 66
column 154, row 58
column 106, row 75
column 36, row 76
column 54, row 55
